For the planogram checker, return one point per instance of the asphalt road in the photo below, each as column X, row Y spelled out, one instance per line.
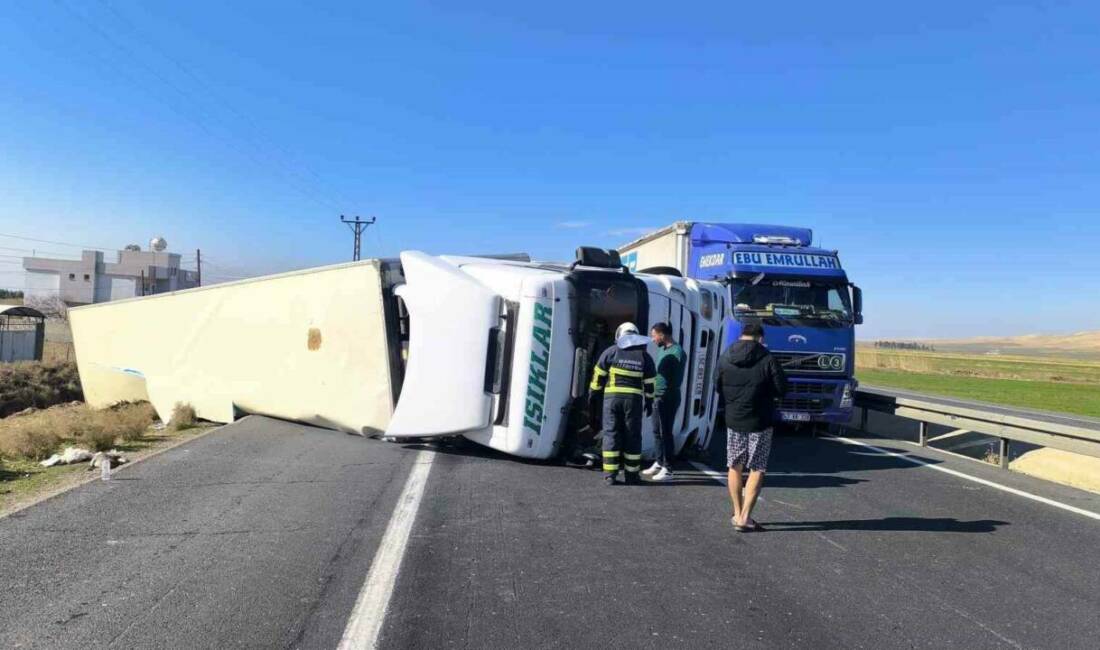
column 261, row 534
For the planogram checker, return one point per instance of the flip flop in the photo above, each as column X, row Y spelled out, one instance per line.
column 741, row 529
column 756, row 528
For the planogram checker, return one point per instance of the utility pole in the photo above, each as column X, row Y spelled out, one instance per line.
column 198, row 263
column 357, row 226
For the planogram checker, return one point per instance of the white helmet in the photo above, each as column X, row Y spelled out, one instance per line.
column 624, row 329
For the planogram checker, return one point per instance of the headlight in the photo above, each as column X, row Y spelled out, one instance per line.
column 846, row 397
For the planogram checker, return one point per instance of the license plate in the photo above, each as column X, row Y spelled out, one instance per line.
column 794, row 416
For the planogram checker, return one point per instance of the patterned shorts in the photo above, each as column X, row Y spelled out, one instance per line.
column 750, row 450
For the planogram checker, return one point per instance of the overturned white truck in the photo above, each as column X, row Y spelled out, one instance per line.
column 497, row 350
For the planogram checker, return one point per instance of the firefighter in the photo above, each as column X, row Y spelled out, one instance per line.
column 627, row 376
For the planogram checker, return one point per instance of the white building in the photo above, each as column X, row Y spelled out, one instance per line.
column 91, row 279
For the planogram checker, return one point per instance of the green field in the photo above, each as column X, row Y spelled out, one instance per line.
column 1080, row 399
column 1042, row 369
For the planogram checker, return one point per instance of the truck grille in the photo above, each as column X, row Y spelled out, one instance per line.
column 805, row 404
column 812, row 389
column 803, row 362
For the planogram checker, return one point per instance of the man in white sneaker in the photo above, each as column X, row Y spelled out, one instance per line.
column 670, row 377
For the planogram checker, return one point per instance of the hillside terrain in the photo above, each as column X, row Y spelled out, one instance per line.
column 1080, row 345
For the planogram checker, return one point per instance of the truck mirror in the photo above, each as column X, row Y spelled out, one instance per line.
column 857, row 305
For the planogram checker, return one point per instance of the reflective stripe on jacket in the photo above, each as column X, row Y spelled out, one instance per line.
column 628, row 371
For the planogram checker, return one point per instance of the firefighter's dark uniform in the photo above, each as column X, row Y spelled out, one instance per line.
column 627, row 376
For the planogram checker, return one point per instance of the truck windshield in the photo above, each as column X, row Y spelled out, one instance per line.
column 787, row 299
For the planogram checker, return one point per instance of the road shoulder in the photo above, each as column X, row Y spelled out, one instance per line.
column 72, row 476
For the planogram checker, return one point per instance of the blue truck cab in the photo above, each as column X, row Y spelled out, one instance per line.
column 799, row 292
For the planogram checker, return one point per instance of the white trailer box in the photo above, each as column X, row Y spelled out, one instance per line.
column 498, row 351
column 307, row 346
column 667, row 247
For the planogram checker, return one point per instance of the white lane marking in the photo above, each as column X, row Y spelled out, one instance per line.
column 370, row 608
column 946, row 470
column 950, row 434
column 718, row 476
column 826, row 538
column 721, row 477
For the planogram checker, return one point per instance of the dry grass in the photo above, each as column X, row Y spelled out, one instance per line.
column 37, row 435
column 132, row 421
column 183, row 417
column 28, row 438
column 987, row 366
column 37, row 384
column 96, row 437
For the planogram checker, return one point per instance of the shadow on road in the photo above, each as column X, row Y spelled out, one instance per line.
column 824, row 456
column 910, row 524
column 796, row 462
column 809, row 460
column 466, row 449
column 781, row 480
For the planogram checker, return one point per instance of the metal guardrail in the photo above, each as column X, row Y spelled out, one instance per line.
column 1068, row 433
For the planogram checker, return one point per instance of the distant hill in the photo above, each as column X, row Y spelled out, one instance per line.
column 1081, row 345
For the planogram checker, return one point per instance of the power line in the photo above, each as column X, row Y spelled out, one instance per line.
column 357, row 227
column 59, row 243
column 127, row 52
column 212, row 271
column 233, row 270
column 211, row 92
column 35, row 251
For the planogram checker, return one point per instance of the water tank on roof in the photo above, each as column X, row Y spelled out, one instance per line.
column 158, row 244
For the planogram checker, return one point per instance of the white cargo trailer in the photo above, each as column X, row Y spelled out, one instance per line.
column 668, row 247
column 499, row 351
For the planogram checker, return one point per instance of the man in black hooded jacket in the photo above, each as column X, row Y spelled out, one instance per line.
column 750, row 381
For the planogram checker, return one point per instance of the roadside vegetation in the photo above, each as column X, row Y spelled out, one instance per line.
column 183, row 418
column 1066, row 385
column 37, row 385
column 988, row 366
column 41, row 413
column 131, row 429
column 37, row 435
column 1080, row 399
column 27, row 439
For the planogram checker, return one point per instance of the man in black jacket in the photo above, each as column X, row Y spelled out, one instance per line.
column 750, row 381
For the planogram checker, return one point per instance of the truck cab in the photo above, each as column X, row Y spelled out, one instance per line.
column 808, row 307
column 801, row 293
column 501, row 351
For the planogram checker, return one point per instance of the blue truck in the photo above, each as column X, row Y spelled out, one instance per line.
column 801, row 293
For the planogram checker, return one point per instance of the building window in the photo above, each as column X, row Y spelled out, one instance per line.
column 72, row 276
column 87, row 278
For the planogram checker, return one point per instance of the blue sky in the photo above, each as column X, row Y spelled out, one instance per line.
column 951, row 151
